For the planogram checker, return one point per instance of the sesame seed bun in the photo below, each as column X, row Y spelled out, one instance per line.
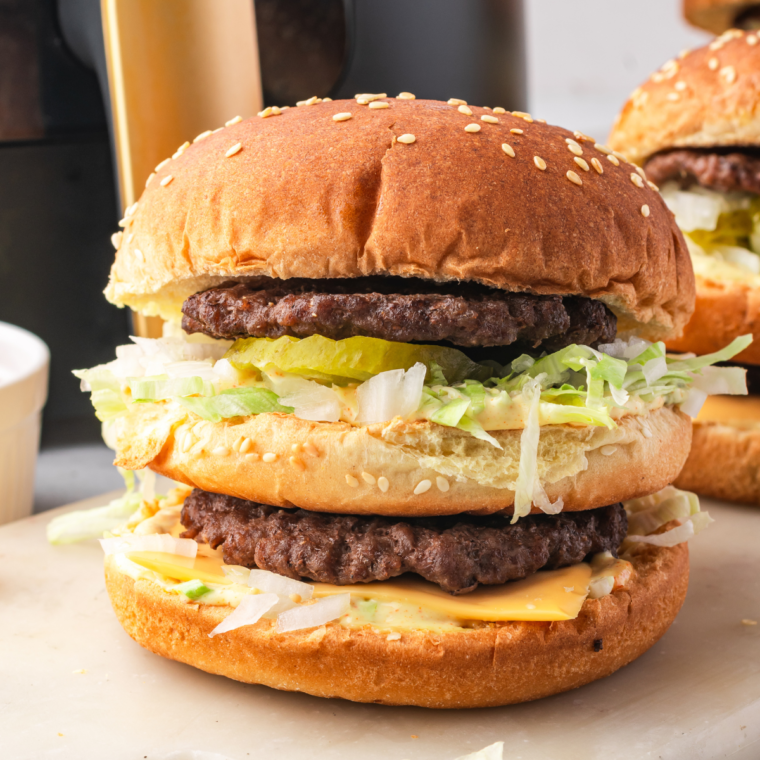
column 715, row 16
column 428, row 469
column 308, row 196
column 706, row 99
column 500, row 664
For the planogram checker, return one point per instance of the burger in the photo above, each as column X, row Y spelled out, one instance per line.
column 694, row 127
column 412, row 369
column 718, row 16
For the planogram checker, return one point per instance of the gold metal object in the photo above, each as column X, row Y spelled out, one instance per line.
column 176, row 68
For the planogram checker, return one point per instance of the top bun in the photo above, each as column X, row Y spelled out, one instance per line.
column 710, row 97
column 715, row 15
column 303, row 194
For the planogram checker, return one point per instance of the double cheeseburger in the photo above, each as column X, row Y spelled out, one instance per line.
column 718, row 16
column 417, row 374
column 695, row 127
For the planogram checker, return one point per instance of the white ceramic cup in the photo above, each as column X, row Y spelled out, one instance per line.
column 24, row 363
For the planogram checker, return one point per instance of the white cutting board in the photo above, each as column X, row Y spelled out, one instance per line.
column 694, row 695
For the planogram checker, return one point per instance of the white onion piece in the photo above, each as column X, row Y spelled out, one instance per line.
column 309, row 399
column 248, row 612
column 390, row 394
column 312, row 615
column 156, row 542
column 225, row 371
column 730, row 381
column 694, row 210
column 601, row 587
column 690, row 527
column 654, row 369
column 492, row 752
column 694, row 401
column 236, row 573
column 273, row 583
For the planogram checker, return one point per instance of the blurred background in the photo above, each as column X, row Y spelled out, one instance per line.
column 94, row 93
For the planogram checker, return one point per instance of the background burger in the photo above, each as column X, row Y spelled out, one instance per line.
column 694, row 127
column 402, row 408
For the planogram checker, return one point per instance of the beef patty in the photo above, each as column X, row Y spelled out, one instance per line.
column 397, row 309
column 724, row 169
column 457, row 553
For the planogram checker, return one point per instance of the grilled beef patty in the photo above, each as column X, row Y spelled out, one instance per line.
column 398, row 309
column 457, row 553
column 724, row 169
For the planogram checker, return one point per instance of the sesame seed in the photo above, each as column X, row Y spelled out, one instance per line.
column 341, row 116
column 379, row 104
column 516, row 131
column 218, row 129
column 522, row 115
column 269, row 457
column 684, row 53
column 573, row 177
column 221, row 451
column 645, row 210
column 466, row 110
column 539, row 162
column 269, row 111
column 187, row 442
column 489, row 119
column 116, row 239
column 646, row 431
column 383, row 484
column 472, row 128
column 245, row 446
column 166, row 180
column 658, row 76
column 297, row 463
column 653, row 186
column 310, row 102
column 442, row 483
column 369, row 478
column 368, row 97
column 751, row 39
column 597, row 164
column 613, row 160
column 680, row 85
column 131, row 209
column 139, row 255
column 352, row 481
column 393, row 637
column 150, row 178
column 499, row 109
column 603, row 149
column 203, row 136
column 608, row 450
column 405, row 96
column 747, row 621
column 508, row 149
column 251, row 457
column 729, row 74
column 406, row 139
column 130, row 237
column 236, row 148
column 541, row 121
column 581, row 163
column 324, row 100
column 619, row 156
column 233, row 120
column 673, row 96
column 456, row 102
column 573, row 147
column 295, row 447
column 422, row 487
column 581, row 136
column 182, row 148
column 637, row 180
column 311, row 449
column 713, row 64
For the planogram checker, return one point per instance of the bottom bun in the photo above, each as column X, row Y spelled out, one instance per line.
column 501, row 664
column 724, row 462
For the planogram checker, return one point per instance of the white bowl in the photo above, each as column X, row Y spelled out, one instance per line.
column 24, row 362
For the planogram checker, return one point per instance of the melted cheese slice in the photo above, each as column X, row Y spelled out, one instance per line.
column 743, row 411
column 545, row 596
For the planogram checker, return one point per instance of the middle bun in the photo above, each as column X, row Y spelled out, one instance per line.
column 427, row 469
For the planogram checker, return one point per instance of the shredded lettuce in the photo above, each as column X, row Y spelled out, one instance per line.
column 235, row 402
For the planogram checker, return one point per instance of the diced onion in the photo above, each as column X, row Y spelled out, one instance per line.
column 273, row 583
column 312, row 615
column 248, row 612
column 309, row 399
column 690, row 527
column 601, row 587
column 156, row 542
column 694, row 210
